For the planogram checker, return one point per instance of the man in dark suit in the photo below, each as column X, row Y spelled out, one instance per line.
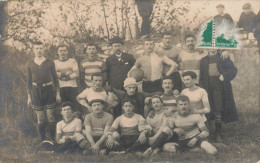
column 118, row 64
column 216, row 72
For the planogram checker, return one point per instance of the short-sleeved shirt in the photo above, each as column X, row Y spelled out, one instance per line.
column 196, row 97
column 68, row 129
column 156, row 121
column 89, row 94
column 130, row 126
column 152, row 65
column 98, row 124
column 190, row 124
column 66, row 66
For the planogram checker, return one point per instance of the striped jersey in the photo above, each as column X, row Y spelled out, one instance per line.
column 130, row 126
column 191, row 62
column 88, row 67
column 155, row 122
column 68, row 129
column 169, row 100
column 98, row 124
column 191, row 124
column 69, row 65
column 89, row 94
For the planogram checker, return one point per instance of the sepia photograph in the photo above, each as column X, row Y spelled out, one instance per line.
column 129, row 81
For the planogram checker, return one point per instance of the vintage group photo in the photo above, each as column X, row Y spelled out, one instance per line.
column 129, row 81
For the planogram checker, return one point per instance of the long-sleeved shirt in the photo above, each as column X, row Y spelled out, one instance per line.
column 41, row 74
column 69, row 65
column 88, row 67
column 246, row 21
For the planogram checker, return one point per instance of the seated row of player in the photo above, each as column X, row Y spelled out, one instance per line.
column 166, row 129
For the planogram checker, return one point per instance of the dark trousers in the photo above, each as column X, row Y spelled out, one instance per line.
column 177, row 82
column 70, row 94
column 163, row 138
column 153, row 86
column 215, row 95
column 129, row 143
column 183, row 144
column 69, row 146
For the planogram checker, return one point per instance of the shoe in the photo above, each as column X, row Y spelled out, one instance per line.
column 147, row 153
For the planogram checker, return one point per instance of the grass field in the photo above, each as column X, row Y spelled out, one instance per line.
column 17, row 123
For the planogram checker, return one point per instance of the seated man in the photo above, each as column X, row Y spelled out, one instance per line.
column 132, row 130
column 131, row 92
column 97, row 124
column 161, row 133
column 69, row 137
column 198, row 96
column 193, row 127
column 97, row 91
column 168, row 97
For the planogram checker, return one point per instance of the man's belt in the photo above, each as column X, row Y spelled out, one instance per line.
column 42, row 85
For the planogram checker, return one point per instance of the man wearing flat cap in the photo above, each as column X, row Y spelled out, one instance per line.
column 118, row 64
column 247, row 17
column 222, row 15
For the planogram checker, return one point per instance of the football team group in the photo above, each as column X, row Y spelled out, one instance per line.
column 167, row 99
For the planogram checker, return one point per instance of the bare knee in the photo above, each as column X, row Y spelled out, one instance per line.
column 50, row 115
column 208, row 148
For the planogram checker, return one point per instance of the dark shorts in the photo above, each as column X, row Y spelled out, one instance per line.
column 184, row 143
column 70, row 94
column 43, row 97
column 153, row 86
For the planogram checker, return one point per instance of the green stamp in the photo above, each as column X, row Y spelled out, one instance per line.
column 222, row 35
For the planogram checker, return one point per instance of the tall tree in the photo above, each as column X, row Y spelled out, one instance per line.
column 145, row 9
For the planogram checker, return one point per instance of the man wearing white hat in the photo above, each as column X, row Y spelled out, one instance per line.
column 130, row 86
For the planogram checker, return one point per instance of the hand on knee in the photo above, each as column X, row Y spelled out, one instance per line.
column 209, row 148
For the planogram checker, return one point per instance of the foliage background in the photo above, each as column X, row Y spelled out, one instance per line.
column 81, row 21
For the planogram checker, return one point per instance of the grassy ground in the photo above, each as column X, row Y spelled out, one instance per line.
column 17, row 122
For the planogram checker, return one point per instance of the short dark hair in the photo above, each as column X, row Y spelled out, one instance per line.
column 90, row 44
column 66, row 103
column 192, row 74
column 37, row 43
column 133, row 102
column 155, row 96
column 96, row 74
column 96, row 100
column 183, row 98
column 62, row 45
column 166, row 77
column 189, row 35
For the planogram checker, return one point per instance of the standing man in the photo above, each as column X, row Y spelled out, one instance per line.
column 67, row 71
column 42, row 96
column 247, row 17
column 216, row 74
column 152, row 65
column 190, row 58
column 166, row 48
column 118, row 64
column 222, row 15
column 91, row 65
